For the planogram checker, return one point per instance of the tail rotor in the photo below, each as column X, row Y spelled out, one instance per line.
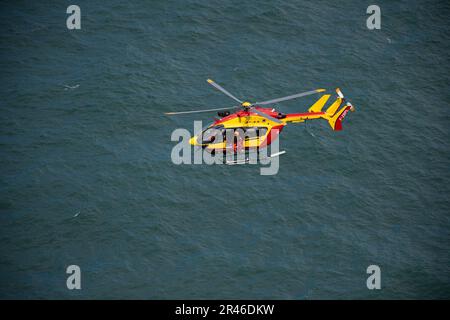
column 340, row 95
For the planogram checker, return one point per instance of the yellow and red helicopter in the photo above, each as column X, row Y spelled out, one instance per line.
column 262, row 125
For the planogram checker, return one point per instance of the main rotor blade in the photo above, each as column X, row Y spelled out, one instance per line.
column 298, row 95
column 262, row 114
column 199, row 111
column 215, row 85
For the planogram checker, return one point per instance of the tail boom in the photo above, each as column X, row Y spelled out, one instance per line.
column 333, row 114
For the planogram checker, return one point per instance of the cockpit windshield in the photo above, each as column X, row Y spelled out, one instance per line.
column 213, row 134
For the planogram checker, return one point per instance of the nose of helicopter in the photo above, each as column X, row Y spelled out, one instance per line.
column 193, row 141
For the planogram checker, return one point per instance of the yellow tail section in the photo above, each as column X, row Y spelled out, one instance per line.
column 335, row 121
column 317, row 107
column 332, row 115
column 333, row 108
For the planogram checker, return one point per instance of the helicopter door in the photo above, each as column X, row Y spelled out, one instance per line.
column 251, row 133
column 262, row 132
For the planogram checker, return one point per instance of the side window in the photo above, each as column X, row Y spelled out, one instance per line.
column 251, row 133
column 220, row 133
column 230, row 132
column 262, row 131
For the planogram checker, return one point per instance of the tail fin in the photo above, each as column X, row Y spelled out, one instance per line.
column 335, row 121
column 331, row 111
column 335, row 118
column 317, row 107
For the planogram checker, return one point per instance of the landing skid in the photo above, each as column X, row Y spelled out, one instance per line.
column 247, row 159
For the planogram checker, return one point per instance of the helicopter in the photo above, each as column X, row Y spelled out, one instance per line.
column 261, row 125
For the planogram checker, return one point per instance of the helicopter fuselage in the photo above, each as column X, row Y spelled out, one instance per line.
column 258, row 131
